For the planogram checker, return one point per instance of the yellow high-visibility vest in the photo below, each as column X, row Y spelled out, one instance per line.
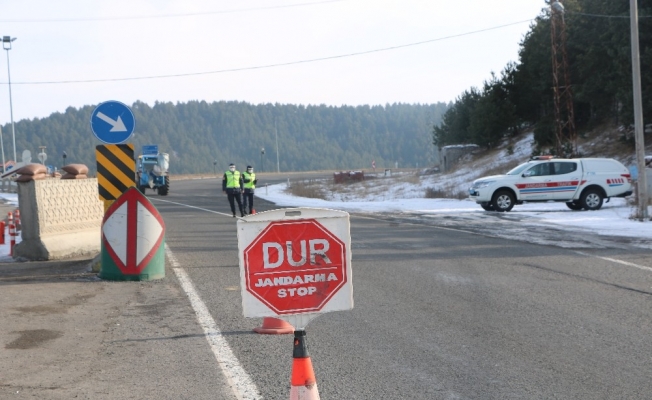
column 252, row 178
column 232, row 179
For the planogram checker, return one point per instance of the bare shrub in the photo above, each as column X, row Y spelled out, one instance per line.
column 445, row 193
column 307, row 188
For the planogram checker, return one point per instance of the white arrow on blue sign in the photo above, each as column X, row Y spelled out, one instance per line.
column 112, row 122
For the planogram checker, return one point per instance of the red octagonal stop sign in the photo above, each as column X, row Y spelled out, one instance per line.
column 295, row 266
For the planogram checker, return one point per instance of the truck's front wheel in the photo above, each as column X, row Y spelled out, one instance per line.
column 503, row 200
column 487, row 206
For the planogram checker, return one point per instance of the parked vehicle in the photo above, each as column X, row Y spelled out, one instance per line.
column 152, row 172
column 582, row 183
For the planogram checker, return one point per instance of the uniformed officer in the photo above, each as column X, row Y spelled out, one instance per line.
column 232, row 186
column 249, row 179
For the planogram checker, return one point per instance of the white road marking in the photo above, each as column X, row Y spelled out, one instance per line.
column 644, row 268
column 241, row 384
column 197, row 208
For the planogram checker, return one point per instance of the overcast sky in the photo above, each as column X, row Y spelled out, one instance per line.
column 204, row 41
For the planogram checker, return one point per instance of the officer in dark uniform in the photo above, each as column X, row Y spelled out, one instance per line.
column 232, row 186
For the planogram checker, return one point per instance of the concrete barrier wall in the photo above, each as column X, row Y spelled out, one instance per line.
column 60, row 219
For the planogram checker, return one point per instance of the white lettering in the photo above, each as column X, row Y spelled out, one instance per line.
column 279, row 250
column 314, row 251
column 302, row 291
column 266, row 282
column 295, row 280
column 288, row 246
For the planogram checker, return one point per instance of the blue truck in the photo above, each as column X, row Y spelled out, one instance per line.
column 153, row 171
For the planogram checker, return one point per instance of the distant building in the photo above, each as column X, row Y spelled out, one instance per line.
column 450, row 155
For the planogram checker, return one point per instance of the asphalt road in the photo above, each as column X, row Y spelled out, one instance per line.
column 444, row 309
column 440, row 312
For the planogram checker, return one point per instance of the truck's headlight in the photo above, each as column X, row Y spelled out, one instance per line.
column 483, row 184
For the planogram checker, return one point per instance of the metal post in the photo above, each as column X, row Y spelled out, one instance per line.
column 2, row 146
column 638, row 114
column 7, row 47
column 278, row 168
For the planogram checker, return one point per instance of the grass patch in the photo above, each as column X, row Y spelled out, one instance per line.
column 446, row 193
column 311, row 188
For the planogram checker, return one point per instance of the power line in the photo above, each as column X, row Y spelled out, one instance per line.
column 136, row 17
column 272, row 65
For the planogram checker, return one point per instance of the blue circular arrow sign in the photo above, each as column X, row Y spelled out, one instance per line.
column 112, row 122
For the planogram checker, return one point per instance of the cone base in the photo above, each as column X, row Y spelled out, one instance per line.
column 304, row 392
column 274, row 326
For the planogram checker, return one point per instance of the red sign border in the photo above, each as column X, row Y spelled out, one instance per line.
column 132, row 197
column 293, row 222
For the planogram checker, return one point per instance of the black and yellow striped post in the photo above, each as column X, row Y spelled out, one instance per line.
column 116, row 171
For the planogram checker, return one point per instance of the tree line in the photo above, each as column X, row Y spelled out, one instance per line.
column 598, row 47
column 201, row 137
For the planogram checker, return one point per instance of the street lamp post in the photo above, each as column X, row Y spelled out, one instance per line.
column 2, row 146
column 6, row 44
column 262, row 153
column 215, row 167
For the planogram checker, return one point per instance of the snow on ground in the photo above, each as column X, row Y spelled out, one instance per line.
column 612, row 220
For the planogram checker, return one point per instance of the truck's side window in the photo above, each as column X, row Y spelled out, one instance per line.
column 562, row 168
column 541, row 170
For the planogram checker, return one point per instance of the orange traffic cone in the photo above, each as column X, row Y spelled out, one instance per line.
column 274, row 326
column 303, row 382
column 253, row 211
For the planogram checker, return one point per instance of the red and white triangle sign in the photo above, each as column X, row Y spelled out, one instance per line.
column 132, row 231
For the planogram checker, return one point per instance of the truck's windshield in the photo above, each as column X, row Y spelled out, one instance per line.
column 519, row 169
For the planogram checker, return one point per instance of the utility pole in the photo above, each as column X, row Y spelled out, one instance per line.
column 278, row 168
column 561, row 86
column 641, row 184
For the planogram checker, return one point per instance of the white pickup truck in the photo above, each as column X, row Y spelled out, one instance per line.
column 583, row 183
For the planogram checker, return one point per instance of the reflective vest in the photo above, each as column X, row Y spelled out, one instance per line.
column 252, row 178
column 232, row 179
